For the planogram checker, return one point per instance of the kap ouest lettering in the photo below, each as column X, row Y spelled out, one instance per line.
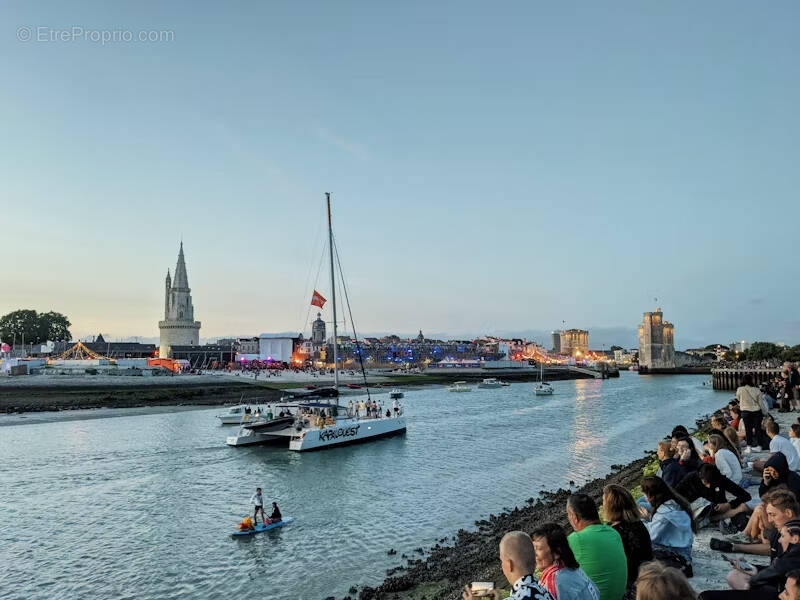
column 334, row 434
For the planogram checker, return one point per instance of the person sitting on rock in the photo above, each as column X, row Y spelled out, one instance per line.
column 670, row 524
column 518, row 561
column 597, row 548
column 659, row 582
column 777, row 508
column 763, row 582
column 560, row 572
column 712, row 485
column 622, row 513
column 792, row 589
column 671, row 470
column 778, row 443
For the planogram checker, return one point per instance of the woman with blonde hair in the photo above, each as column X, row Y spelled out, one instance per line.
column 726, row 460
column 622, row 513
column 659, row 582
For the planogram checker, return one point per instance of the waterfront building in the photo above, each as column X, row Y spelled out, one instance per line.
column 740, row 346
column 556, row 335
column 178, row 327
column 277, row 347
column 574, row 342
column 110, row 349
column 656, row 341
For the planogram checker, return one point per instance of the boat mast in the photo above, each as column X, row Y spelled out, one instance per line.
column 333, row 296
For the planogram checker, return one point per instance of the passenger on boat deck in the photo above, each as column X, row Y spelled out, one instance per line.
column 257, row 500
column 518, row 562
column 276, row 514
column 269, row 413
column 396, row 408
column 350, row 408
column 388, row 414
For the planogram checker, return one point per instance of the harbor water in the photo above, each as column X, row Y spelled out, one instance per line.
column 143, row 505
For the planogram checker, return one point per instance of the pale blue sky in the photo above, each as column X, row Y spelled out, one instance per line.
column 495, row 167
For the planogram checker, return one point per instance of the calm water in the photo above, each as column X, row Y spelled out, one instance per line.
column 143, row 506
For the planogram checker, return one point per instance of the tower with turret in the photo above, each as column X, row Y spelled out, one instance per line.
column 178, row 327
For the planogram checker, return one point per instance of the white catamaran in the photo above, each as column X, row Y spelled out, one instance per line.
column 318, row 423
column 338, row 430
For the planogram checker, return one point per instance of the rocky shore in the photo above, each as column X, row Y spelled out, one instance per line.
column 472, row 555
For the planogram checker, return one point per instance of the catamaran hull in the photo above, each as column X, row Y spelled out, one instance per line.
column 348, row 432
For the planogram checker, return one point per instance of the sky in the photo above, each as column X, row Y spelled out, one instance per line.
column 495, row 168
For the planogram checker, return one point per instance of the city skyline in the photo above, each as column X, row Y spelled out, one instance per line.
column 491, row 172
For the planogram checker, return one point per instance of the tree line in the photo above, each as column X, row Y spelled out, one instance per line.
column 766, row 351
column 34, row 327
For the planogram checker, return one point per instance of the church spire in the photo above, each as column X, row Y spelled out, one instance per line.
column 181, row 281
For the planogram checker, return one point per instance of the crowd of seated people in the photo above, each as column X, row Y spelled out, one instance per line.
column 642, row 547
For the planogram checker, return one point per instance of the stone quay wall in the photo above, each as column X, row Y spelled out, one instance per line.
column 730, row 379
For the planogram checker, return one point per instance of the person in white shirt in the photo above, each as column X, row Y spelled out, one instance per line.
column 780, row 444
column 257, row 500
column 794, row 436
column 725, row 460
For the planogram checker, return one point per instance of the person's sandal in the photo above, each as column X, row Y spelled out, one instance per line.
column 721, row 545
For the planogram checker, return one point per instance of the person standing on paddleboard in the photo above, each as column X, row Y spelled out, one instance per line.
column 257, row 500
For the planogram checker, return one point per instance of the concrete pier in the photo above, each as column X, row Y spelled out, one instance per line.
column 730, row 379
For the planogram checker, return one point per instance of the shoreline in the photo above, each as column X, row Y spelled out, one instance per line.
column 51, row 394
column 444, row 569
column 55, row 398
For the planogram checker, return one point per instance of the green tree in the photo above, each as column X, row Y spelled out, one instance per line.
column 730, row 355
column 763, row 350
column 33, row 327
column 54, row 327
column 791, row 354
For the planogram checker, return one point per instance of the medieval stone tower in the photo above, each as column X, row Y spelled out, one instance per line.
column 178, row 327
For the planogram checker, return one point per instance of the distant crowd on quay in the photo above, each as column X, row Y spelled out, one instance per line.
column 740, row 477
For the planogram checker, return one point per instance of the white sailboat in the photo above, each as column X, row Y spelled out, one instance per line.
column 331, row 429
column 542, row 388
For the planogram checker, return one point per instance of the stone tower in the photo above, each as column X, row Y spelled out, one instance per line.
column 178, row 327
column 318, row 332
column 656, row 341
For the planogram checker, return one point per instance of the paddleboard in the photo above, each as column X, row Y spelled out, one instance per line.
column 260, row 528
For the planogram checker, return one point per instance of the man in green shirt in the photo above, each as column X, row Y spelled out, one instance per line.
column 597, row 548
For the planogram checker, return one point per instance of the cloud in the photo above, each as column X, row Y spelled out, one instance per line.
column 356, row 149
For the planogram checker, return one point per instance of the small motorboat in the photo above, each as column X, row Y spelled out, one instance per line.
column 459, row 386
column 395, row 394
column 490, row 382
column 236, row 415
column 505, row 383
column 353, row 386
column 543, row 389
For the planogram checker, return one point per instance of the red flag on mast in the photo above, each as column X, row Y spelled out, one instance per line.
column 317, row 299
